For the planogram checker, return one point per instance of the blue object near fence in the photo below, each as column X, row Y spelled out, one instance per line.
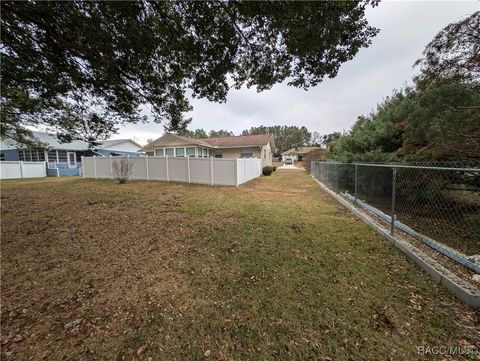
column 447, row 251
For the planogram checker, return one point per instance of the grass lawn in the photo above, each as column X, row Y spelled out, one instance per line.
column 273, row 269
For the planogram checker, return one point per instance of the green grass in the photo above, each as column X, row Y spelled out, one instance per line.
column 274, row 269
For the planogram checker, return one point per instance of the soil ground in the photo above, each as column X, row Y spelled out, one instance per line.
column 273, row 269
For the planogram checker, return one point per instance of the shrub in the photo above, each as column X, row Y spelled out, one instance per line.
column 267, row 170
column 274, row 168
column 122, row 170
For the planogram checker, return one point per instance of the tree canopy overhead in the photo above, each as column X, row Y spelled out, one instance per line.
column 83, row 67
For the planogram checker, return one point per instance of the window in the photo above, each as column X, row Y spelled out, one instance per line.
column 190, row 151
column 245, row 154
column 169, row 151
column 218, row 156
column 179, row 152
column 265, row 153
column 159, row 153
column 41, row 156
column 2, row 156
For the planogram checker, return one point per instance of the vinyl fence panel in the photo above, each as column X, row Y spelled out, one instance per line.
column 224, row 171
column 103, row 166
column 200, row 170
column 248, row 169
column 177, row 169
column 88, row 167
column 12, row 170
column 157, row 168
column 214, row 171
column 139, row 167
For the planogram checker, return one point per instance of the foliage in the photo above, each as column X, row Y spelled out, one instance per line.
column 439, row 119
column 124, row 55
column 444, row 124
column 220, row 133
column 285, row 136
column 313, row 155
column 202, row 134
column 274, row 168
column 122, row 170
column 453, row 54
column 316, row 139
column 375, row 137
column 267, row 170
column 196, row 134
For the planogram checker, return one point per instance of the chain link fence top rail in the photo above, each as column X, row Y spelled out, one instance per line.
column 438, row 200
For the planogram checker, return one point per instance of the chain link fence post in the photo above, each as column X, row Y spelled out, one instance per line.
column 355, row 184
column 394, row 186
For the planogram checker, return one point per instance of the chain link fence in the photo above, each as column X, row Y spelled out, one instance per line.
column 440, row 202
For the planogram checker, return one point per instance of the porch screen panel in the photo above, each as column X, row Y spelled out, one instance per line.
column 52, row 156
column 62, row 156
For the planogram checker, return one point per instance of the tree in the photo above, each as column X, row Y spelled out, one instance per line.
column 220, row 133
column 439, row 119
column 316, row 139
column 196, row 134
column 286, row 137
column 377, row 136
column 453, row 54
column 123, row 55
column 444, row 124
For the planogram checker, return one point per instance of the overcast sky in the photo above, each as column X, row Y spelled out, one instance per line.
column 335, row 104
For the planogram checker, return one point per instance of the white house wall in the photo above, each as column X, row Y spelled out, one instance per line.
column 123, row 147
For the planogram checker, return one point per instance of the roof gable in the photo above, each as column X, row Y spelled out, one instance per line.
column 112, row 142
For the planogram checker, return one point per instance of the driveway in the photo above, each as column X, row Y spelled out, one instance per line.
column 289, row 167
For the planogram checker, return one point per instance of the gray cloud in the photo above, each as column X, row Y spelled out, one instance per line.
column 335, row 104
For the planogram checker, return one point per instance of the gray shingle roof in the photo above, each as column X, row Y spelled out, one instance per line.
column 50, row 139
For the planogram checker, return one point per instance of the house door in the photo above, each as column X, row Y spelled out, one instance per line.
column 72, row 160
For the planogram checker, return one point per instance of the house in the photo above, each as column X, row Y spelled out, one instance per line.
column 118, row 147
column 65, row 158
column 260, row 146
column 298, row 153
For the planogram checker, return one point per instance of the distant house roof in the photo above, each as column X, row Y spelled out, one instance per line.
column 54, row 143
column 222, row 142
column 110, row 143
column 50, row 139
column 300, row 150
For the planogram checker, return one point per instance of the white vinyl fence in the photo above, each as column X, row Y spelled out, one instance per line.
column 213, row 171
column 13, row 169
